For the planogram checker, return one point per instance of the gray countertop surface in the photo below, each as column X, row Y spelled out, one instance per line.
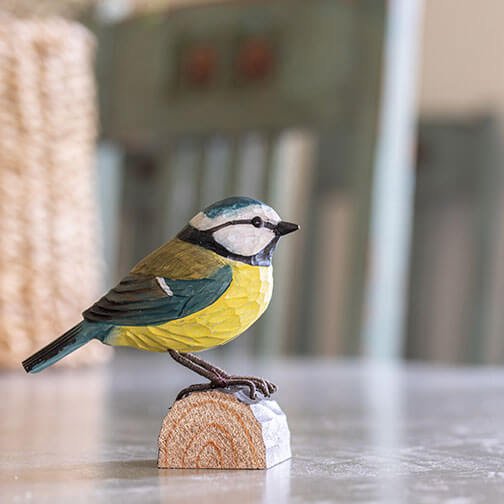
column 361, row 432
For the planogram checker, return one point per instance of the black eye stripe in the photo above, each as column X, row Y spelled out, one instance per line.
column 268, row 225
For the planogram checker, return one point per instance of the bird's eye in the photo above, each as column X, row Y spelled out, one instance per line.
column 257, row 222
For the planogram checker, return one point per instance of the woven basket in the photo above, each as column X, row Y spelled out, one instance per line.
column 49, row 261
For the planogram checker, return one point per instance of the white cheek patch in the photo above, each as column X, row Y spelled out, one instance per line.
column 244, row 239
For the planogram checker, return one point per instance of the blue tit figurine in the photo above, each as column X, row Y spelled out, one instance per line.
column 201, row 289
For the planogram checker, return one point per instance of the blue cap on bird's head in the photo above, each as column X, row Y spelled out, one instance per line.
column 240, row 228
column 230, row 205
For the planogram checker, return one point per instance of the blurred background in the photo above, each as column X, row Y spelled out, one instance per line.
column 374, row 124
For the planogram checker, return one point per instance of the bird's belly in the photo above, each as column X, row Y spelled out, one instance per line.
column 237, row 309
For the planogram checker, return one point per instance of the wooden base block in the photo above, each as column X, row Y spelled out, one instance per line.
column 223, row 430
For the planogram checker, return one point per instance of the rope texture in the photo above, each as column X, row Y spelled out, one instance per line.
column 49, row 264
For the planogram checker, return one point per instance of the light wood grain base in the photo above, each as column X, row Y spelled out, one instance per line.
column 223, row 430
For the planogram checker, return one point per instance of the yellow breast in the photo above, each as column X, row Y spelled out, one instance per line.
column 236, row 310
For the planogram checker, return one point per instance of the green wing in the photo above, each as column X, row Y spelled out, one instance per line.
column 140, row 300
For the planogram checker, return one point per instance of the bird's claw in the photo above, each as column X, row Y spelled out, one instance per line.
column 264, row 386
column 197, row 387
column 253, row 383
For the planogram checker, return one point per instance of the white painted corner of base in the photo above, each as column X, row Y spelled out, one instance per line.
column 275, row 430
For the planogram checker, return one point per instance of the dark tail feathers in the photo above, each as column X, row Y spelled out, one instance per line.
column 59, row 348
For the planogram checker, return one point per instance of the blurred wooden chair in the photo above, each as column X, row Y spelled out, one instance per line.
column 251, row 98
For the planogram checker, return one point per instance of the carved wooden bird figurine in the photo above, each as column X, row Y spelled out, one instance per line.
column 199, row 290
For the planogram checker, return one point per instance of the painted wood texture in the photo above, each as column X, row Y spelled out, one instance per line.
column 220, row 430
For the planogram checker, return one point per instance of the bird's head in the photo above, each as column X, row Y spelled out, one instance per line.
column 239, row 228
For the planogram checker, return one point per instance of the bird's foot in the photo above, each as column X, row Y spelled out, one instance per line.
column 197, row 387
column 253, row 383
column 220, row 378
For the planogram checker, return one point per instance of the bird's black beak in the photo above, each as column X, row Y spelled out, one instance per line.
column 284, row 228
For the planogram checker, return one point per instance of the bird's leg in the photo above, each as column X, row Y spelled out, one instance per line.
column 186, row 361
column 265, row 386
column 207, row 365
column 218, row 377
column 203, row 369
column 261, row 383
